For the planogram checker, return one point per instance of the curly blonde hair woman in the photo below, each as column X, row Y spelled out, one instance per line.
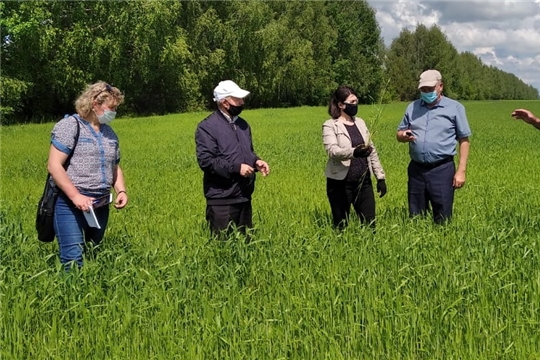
column 93, row 170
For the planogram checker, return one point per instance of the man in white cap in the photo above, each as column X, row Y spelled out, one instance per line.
column 226, row 156
column 433, row 125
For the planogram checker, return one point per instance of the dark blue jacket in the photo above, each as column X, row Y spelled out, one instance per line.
column 221, row 148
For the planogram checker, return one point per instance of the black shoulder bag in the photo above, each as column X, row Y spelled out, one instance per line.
column 45, row 209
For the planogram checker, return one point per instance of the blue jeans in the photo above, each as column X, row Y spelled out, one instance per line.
column 69, row 224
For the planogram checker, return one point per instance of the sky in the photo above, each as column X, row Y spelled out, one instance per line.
column 502, row 33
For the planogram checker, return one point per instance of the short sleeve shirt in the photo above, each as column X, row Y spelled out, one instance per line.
column 95, row 157
column 437, row 129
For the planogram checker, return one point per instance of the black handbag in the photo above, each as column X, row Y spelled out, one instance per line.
column 45, row 209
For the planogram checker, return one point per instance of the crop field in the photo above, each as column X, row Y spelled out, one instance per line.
column 160, row 288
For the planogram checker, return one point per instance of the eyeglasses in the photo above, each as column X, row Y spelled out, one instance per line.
column 108, row 88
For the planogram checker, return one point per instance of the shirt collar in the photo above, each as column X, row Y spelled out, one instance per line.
column 230, row 119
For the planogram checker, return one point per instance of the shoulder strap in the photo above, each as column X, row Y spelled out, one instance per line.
column 66, row 164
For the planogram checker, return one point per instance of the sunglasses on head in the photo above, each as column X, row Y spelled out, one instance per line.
column 108, row 88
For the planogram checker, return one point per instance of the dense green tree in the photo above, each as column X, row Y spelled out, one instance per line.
column 401, row 68
column 358, row 51
column 145, row 52
column 168, row 56
column 464, row 75
column 28, row 42
column 300, row 41
column 413, row 52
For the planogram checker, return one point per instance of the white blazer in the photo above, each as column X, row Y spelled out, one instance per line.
column 338, row 146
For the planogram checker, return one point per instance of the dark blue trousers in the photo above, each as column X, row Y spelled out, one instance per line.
column 431, row 185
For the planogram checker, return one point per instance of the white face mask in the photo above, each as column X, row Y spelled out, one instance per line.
column 107, row 116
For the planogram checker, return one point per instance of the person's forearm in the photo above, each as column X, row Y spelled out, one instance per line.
column 62, row 180
column 535, row 122
column 119, row 184
column 332, row 147
column 464, row 146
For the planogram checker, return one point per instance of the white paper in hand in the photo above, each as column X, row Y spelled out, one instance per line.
column 91, row 219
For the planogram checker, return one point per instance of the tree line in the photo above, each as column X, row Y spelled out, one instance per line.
column 167, row 56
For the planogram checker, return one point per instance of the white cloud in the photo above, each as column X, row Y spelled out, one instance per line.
column 489, row 11
column 488, row 56
column 524, row 68
column 503, row 33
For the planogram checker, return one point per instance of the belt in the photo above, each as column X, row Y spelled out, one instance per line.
column 435, row 164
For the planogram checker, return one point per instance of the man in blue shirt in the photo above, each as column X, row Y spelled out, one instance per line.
column 433, row 125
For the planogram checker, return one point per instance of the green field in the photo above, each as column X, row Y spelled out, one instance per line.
column 160, row 289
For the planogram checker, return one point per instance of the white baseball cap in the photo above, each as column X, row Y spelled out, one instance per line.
column 229, row 88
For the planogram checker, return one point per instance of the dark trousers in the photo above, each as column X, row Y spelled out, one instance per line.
column 431, row 185
column 342, row 194
column 224, row 218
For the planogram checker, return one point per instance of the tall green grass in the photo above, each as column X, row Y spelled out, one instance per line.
column 159, row 288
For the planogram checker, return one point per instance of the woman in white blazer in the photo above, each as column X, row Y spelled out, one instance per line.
column 352, row 159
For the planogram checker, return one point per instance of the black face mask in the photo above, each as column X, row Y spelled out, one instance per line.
column 351, row 109
column 234, row 110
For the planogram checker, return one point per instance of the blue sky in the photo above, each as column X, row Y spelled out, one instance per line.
column 505, row 34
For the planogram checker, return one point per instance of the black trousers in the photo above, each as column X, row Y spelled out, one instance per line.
column 342, row 194
column 224, row 218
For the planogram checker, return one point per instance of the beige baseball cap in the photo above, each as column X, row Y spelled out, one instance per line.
column 429, row 78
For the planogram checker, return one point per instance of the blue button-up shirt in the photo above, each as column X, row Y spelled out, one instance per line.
column 436, row 129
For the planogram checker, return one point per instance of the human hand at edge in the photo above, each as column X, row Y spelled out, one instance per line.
column 246, row 170
column 525, row 115
column 408, row 136
column 263, row 167
column 362, row 152
column 459, row 180
column 381, row 187
column 82, row 202
column 121, row 200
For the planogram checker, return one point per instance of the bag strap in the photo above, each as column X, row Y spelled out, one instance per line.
column 68, row 160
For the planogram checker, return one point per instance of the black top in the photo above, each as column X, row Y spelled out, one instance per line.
column 358, row 169
column 222, row 147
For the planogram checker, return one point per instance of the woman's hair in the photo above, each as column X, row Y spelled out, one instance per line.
column 340, row 95
column 102, row 93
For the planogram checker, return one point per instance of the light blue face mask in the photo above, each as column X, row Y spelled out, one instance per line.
column 429, row 97
column 107, row 117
